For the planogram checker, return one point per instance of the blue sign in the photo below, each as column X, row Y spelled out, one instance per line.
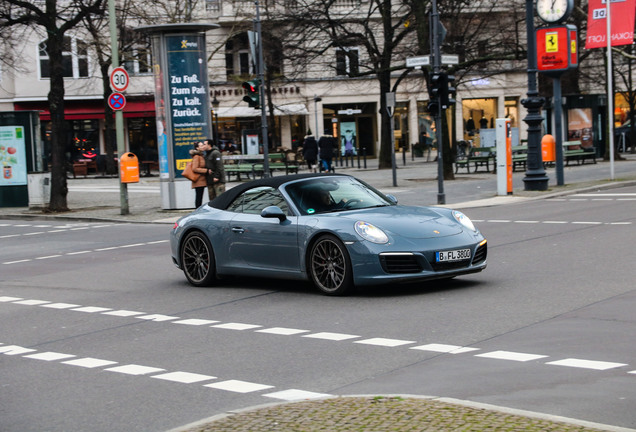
column 189, row 97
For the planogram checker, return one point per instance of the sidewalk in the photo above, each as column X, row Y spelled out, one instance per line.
column 98, row 198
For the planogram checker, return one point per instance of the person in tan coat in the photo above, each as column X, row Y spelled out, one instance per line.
column 198, row 166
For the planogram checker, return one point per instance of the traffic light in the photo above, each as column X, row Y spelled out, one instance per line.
column 434, row 86
column 432, row 107
column 253, row 93
column 448, row 91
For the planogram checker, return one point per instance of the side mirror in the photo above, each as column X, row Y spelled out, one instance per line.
column 392, row 198
column 273, row 212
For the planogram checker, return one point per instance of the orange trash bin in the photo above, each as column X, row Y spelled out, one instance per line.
column 129, row 168
column 548, row 145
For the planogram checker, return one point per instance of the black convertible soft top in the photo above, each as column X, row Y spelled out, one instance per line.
column 223, row 201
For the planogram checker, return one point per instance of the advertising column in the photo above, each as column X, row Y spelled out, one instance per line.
column 182, row 104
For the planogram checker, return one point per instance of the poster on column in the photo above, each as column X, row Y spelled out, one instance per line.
column 12, row 156
column 189, row 96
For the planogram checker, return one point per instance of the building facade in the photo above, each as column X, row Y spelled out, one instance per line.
column 328, row 95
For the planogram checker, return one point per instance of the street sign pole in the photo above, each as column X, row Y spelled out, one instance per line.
column 435, row 25
column 119, row 115
column 390, row 107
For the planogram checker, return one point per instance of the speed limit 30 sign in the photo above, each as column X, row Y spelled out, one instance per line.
column 119, row 79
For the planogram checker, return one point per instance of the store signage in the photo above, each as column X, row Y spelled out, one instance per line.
column 622, row 15
column 349, row 111
column 556, row 49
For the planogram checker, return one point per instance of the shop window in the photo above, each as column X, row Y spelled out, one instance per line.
column 512, row 111
column 74, row 59
column 347, row 62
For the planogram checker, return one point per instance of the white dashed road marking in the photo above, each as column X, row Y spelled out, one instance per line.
column 384, row 342
column 283, row 331
column 587, row 364
column 508, row 355
column 238, row 386
column 184, row 377
column 295, row 395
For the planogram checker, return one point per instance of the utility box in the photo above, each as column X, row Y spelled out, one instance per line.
column 129, row 168
column 39, row 188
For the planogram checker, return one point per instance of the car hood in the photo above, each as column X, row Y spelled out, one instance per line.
column 408, row 221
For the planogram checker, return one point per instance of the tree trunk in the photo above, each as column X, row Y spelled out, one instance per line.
column 59, row 189
column 385, row 128
column 109, row 123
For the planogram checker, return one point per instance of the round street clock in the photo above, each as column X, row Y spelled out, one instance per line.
column 554, row 11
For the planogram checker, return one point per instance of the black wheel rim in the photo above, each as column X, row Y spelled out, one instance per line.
column 328, row 265
column 196, row 258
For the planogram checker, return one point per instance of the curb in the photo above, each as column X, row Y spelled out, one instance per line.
column 206, row 423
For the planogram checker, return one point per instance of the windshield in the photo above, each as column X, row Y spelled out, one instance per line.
column 333, row 194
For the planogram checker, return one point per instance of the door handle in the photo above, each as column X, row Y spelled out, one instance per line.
column 238, row 230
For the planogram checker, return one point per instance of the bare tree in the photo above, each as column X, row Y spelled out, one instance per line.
column 389, row 31
column 56, row 18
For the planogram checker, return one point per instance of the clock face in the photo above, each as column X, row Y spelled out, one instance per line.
column 552, row 11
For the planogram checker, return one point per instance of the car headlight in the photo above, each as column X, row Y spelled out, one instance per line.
column 464, row 220
column 371, row 232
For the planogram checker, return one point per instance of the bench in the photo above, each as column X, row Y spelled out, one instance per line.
column 252, row 165
column 280, row 162
column 519, row 156
column 247, row 165
column 480, row 156
column 572, row 150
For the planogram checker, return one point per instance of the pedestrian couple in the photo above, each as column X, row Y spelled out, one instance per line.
column 207, row 161
column 324, row 148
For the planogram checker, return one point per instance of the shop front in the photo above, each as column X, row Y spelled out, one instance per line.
column 354, row 127
column 84, row 138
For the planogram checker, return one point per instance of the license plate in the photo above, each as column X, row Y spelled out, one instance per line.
column 452, row 255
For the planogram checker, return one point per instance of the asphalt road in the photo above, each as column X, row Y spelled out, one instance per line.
column 120, row 342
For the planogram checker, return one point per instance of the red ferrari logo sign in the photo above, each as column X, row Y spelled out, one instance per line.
column 556, row 49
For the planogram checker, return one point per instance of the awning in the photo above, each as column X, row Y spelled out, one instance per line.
column 279, row 110
column 89, row 109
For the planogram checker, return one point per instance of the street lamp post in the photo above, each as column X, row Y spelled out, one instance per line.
column 536, row 178
column 215, row 106
column 316, row 100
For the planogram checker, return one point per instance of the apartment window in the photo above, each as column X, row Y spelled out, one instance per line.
column 74, row 59
column 137, row 59
column 347, row 62
column 244, row 63
column 212, row 5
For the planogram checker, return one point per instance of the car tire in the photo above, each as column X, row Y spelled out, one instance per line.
column 197, row 259
column 330, row 266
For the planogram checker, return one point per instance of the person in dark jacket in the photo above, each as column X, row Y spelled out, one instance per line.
column 326, row 148
column 310, row 152
column 214, row 162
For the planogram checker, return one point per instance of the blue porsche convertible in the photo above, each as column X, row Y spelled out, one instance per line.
column 331, row 229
